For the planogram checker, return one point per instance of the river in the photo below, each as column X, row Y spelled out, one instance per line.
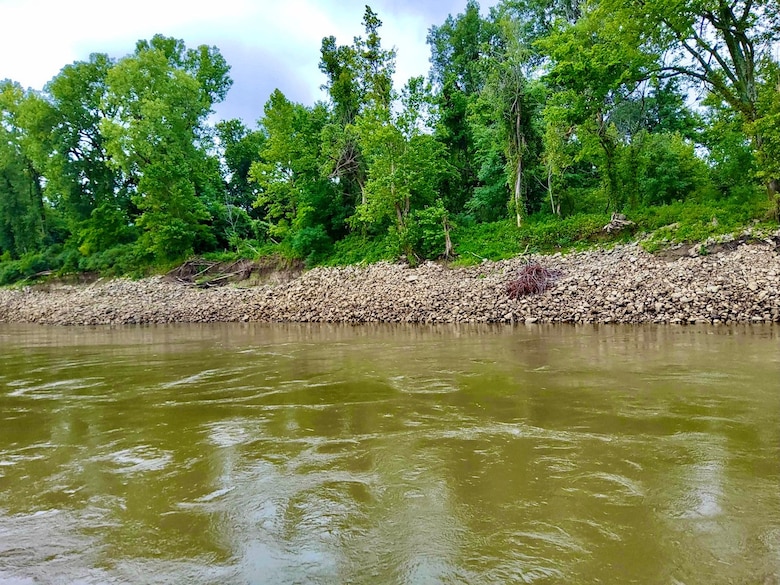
column 282, row 454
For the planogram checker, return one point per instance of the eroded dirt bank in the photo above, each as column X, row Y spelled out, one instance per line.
column 623, row 285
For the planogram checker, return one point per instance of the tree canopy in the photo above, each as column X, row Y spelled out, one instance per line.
column 538, row 111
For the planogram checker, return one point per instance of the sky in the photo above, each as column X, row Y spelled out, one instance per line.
column 268, row 44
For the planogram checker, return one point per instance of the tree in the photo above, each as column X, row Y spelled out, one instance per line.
column 239, row 148
column 406, row 166
column 298, row 203
column 21, row 200
column 596, row 65
column 767, row 127
column 717, row 43
column 359, row 77
column 159, row 98
column 90, row 193
column 458, row 48
column 503, row 122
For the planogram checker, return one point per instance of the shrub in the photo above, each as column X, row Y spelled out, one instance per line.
column 116, row 261
column 29, row 265
column 357, row 248
column 494, row 241
column 545, row 233
column 425, row 236
column 311, row 243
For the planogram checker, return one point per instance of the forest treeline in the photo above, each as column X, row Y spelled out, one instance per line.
column 536, row 121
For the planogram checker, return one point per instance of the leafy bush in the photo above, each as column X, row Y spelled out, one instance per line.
column 545, row 233
column 121, row 260
column 425, row 236
column 489, row 202
column 539, row 233
column 29, row 265
column 657, row 169
column 703, row 218
column 310, row 243
column 494, row 241
column 356, row 248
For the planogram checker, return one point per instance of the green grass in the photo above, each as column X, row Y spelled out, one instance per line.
column 539, row 234
column 690, row 222
column 356, row 249
column 494, row 241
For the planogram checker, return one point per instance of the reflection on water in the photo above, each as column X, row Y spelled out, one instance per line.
column 334, row 454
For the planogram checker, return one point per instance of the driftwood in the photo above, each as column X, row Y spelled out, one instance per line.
column 204, row 273
column 533, row 278
column 617, row 223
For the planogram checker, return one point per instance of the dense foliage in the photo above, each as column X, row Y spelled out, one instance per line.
column 536, row 122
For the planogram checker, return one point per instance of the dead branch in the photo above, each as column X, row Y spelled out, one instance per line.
column 531, row 279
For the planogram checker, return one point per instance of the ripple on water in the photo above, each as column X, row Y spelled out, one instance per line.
column 617, row 488
column 11, row 459
column 419, row 385
column 230, row 432
column 56, row 390
column 520, row 430
column 190, row 380
column 139, row 459
column 41, row 547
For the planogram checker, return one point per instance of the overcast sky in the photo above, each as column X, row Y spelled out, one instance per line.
column 268, row 44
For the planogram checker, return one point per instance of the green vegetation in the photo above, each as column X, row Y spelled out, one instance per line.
column 537, row 122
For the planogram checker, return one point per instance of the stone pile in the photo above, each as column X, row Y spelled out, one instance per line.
column 620, row 285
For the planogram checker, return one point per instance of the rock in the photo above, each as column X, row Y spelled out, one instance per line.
column 623, row 285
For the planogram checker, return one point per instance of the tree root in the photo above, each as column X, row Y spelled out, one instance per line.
column 533, row 278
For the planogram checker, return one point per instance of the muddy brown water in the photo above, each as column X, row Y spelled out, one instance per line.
column 388, row 454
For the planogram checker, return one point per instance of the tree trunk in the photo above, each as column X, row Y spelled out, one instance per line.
column 518, row 193
column 555, row 210
column 773, row 190
column 448, row 249
column 519, row 144
column 399, row 216
column 362, row 186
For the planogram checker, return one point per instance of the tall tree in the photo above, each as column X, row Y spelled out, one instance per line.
column 505, row 114
column 21, row 192
column 159, row 98
column 458, row 49
column 297, row 201
column 406, row 165
column 596, row 65
column 240, row 147
column 715, row 43
column 767, row 127
column 359, row 76
column 86, row 188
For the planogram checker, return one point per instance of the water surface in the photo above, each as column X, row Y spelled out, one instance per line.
column 334, row 454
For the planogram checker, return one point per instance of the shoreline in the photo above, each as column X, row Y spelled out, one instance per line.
column 625, row 284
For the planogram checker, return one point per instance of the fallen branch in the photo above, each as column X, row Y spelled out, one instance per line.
column 617, row 223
